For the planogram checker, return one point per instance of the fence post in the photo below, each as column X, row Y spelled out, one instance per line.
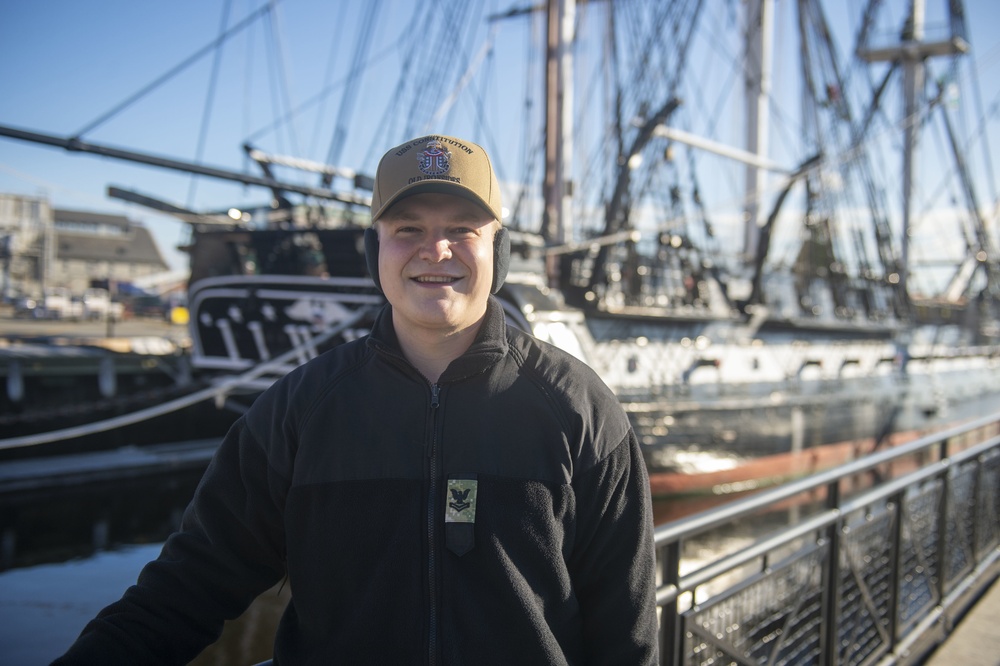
column 670, row 621
column 942, row 541
column 895, row 502
column 831, row 603
column 977, row 489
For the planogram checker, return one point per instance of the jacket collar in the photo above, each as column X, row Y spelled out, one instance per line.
column 487, row 349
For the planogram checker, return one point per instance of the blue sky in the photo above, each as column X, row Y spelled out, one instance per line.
column 64, row 63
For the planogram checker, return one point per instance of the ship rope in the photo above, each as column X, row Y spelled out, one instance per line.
column 277, row 367
column 174, row 71
column 206, row 113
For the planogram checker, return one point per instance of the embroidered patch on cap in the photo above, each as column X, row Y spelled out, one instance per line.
column 435, row 159
column 461, row 501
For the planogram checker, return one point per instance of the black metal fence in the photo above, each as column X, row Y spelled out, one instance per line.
column 871, row 562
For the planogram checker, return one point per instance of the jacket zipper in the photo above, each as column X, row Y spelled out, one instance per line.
column 432, row 454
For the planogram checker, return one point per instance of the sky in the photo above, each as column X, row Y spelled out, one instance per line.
column 64, row 64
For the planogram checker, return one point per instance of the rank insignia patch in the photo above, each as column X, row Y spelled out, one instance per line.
column 461, row 501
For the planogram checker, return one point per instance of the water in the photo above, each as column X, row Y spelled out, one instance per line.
column 67, row 553
column 43, row 608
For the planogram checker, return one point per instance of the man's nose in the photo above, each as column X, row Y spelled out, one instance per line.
column 436, row 248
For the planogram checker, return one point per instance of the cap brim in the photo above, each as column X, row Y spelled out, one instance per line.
column 438, row 187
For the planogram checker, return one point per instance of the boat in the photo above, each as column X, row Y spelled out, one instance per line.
column 750, row 283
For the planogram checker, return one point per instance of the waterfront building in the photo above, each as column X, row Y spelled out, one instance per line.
column 42, row 247
column 94, row 248
column 26, row 246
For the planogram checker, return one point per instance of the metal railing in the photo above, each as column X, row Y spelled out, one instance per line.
column 867, row 563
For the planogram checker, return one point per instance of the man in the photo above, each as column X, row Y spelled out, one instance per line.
column 444, row 491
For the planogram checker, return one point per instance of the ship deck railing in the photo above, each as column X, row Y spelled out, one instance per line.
column 871, row 562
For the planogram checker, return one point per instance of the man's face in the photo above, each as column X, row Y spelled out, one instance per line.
column 436, row 262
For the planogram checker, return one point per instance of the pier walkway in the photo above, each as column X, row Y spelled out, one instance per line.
column 875, row 562
column 46, row 474
column 976, row 640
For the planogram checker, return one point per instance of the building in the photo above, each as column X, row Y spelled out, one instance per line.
column 100, row 248
column 26, row 233
column 42, row 247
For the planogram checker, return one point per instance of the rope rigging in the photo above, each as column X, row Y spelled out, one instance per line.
column 177, row 69
column 209, row 97
column 350, row 95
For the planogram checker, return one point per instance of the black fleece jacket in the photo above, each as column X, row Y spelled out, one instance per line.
column 501, row 516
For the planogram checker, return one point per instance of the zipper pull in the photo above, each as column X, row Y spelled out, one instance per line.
column 435, row 396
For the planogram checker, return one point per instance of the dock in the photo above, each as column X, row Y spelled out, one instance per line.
column 975, row 641
column 53, row 472
column 55, row 508
column 91, row 330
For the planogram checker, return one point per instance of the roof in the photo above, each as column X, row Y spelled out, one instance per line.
column 135, row 246
column 86, row 217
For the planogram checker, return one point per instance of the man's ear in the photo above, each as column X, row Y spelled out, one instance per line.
column 501, row 258
column 371, row 255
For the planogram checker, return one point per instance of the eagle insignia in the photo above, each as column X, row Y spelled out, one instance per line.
column 435, row 159
column 461, row 501
column 458, row 499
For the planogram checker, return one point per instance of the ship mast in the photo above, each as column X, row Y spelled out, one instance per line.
column 912, row 51
column 757, row 89
column 557, row 187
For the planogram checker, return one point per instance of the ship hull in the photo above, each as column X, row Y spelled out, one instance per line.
column 706, row 401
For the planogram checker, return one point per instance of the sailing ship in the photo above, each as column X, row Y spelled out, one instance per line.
column 813, row 337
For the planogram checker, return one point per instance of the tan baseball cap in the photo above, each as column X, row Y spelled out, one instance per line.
column 436, row 163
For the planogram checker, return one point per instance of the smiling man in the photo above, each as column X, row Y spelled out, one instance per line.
column 436, row 266
column 446, row 490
